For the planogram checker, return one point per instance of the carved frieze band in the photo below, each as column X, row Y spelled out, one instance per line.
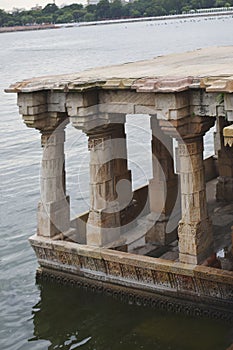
column 149, row 277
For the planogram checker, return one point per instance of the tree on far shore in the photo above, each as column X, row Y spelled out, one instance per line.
column 51, row 13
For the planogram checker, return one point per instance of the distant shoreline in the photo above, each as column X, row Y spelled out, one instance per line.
column 114, row 21
column 27, row 28
column 157, row 18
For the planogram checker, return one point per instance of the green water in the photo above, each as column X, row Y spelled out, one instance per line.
column 68, row 318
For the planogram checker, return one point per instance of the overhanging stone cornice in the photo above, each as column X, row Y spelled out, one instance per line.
column 210, row 68
column 219, row 84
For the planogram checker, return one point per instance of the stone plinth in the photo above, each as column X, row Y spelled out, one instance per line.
column 191, row 286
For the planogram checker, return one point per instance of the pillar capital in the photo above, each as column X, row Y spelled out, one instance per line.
column 187, row 128
column 42, row 110
column 93, row 122
column 54, row 135
column 190, row 146
column 47, row 124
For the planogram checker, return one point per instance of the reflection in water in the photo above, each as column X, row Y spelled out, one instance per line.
column 69, row 318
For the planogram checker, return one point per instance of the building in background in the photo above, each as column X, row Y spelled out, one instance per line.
column 36, row 8
column 92, row 2
column 95, row 2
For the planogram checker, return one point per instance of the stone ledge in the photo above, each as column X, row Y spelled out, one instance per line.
column 200, row 283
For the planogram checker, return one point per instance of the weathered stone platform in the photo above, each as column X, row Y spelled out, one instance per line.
column 170, row 238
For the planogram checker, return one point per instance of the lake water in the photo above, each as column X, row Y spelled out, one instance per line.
column 48, row 316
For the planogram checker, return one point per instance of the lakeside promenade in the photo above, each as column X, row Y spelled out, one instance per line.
column 228, row 13
column 160, row 18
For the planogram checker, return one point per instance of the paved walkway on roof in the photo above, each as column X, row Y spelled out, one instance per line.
column 207, row 62
column 213, row 61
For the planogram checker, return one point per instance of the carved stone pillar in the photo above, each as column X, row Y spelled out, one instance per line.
column 110, row 184
column 224, row 188
column 110, row 179
column 195, row 231
column 163, row 187
column 217, row 135
column 122, row 175
column 45, row 111
column 53, row 208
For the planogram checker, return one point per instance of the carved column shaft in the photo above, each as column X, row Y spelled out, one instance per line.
column 122, row 175
column 53, row 208
column 52, row 166
column 195, row 233
column 224, row 189
column 110, row 184
column 163, row 186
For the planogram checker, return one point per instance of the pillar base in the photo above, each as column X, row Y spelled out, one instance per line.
column 195, row 242
column 196, row 259
column 163, row 195
column 157, row 232
column 103, row 228
column 53, row 217
column 224, row 189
